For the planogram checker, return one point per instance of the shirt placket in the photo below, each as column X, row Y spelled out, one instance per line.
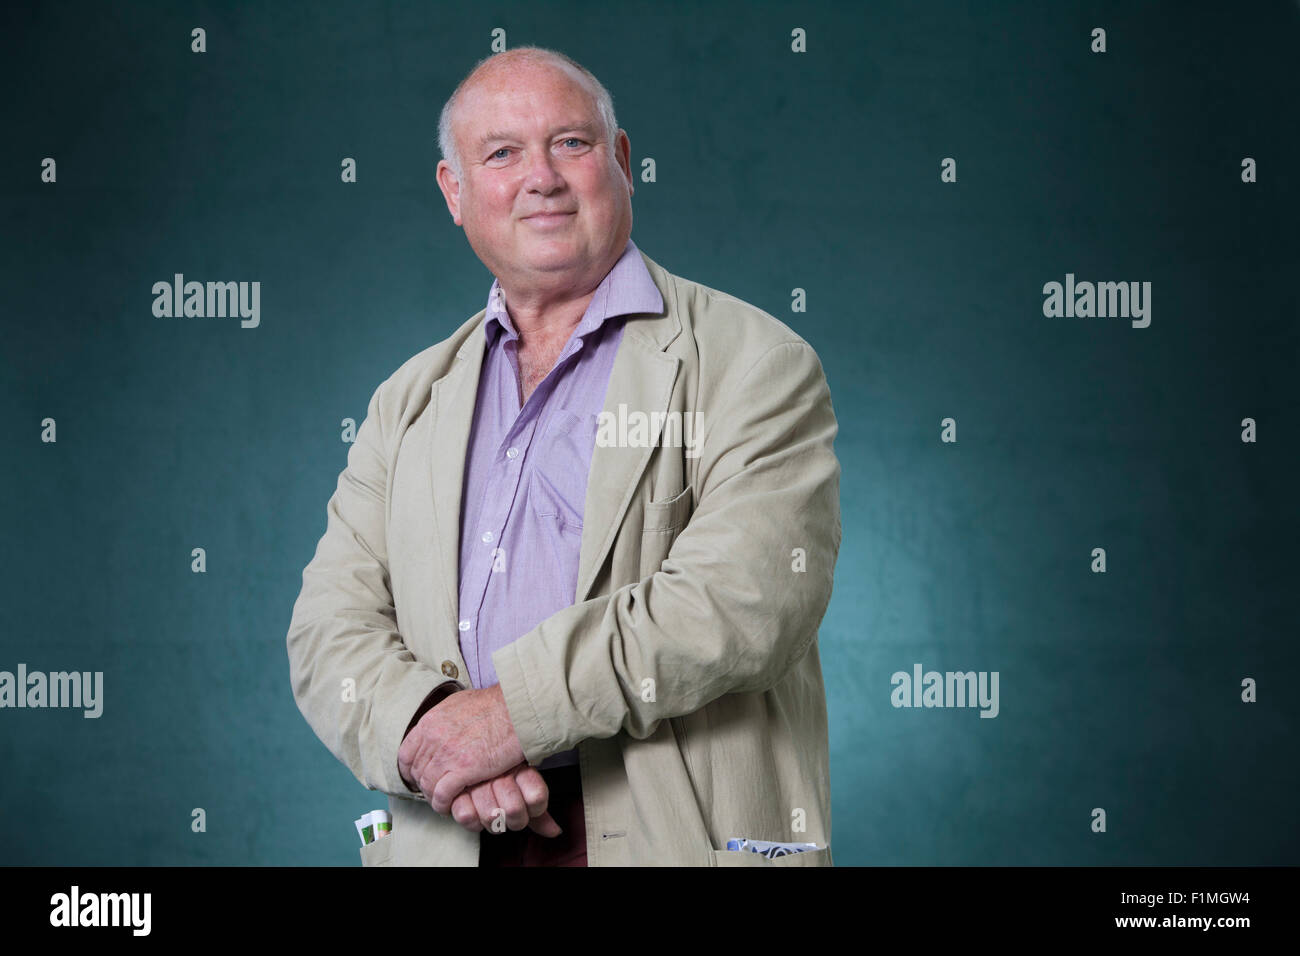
column 498, row 499
column 501, row 492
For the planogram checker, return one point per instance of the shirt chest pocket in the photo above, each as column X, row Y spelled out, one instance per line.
column 561, row 461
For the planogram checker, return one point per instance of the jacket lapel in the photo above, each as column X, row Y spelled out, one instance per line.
column 641, row 381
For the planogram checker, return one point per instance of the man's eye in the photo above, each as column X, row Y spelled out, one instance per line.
column 572, row 139
column 503, row 149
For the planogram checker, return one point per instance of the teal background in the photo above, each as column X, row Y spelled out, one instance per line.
column 775, row 170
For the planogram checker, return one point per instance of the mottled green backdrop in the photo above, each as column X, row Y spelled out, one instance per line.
column 775, row 170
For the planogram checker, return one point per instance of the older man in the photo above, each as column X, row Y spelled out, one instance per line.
column 577, row 561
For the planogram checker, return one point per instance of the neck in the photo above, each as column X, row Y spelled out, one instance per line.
column 535, row 320
column 543, row 311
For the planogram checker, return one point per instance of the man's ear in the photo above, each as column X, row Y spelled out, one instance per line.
column 450, row 187
column 623, row 155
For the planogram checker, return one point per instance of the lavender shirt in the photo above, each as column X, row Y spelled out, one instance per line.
column 526, row 471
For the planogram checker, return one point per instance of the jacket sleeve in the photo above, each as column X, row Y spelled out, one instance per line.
column 352, row 675
column 727, row 612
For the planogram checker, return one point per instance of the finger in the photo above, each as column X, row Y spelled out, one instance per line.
column 509, row 799
column 426, row 781
column 409, row 760
column 426, row 776
column 404, row 759
column 533, row 787
column 428, row 764
column 464, row 813
column 446, row 787
column 489, row 811
column 545, row 825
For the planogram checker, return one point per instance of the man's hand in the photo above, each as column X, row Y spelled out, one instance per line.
column 521, row 793
column 466, row 739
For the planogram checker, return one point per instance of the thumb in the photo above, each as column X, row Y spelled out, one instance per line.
column 545, row 825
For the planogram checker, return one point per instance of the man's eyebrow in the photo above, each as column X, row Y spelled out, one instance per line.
column 496, row 135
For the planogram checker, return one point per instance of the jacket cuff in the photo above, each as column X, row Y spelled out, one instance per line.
column 513, row 677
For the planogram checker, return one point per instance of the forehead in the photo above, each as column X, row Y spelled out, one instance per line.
column 533, row 94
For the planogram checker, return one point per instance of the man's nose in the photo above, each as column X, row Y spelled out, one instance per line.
column 542, row 174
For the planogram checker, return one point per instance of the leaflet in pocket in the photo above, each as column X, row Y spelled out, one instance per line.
column 373, row 825
column 769, row 849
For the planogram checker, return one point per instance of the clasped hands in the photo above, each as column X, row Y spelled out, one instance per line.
column 465, row 757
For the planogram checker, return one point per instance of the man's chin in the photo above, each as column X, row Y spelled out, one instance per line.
column 551, row 255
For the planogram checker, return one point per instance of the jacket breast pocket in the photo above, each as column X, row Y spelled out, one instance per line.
column 561, row 462
column 670, row 514
column 662, row 522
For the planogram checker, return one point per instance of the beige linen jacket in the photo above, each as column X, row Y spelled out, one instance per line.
column 687, row 672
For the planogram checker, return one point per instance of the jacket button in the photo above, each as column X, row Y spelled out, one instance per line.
column 449, row 669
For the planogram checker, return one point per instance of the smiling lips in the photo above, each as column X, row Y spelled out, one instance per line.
column 548, row 218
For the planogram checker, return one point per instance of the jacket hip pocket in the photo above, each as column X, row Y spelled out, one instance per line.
column 378, row 852
column 820, row 857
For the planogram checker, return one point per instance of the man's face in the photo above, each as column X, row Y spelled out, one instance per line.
column 544, row 200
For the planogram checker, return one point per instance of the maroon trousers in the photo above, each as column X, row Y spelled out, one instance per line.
column 526, row 848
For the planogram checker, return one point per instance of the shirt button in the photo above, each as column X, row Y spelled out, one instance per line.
column 449, row 669
column 487, row 537
column 512, row 453
column 464, row 625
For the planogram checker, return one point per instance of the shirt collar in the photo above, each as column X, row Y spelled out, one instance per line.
column 627, row 289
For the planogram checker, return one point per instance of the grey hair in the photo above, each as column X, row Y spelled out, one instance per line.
column 532, row 54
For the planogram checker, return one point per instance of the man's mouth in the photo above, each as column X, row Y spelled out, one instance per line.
column 548, row 218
